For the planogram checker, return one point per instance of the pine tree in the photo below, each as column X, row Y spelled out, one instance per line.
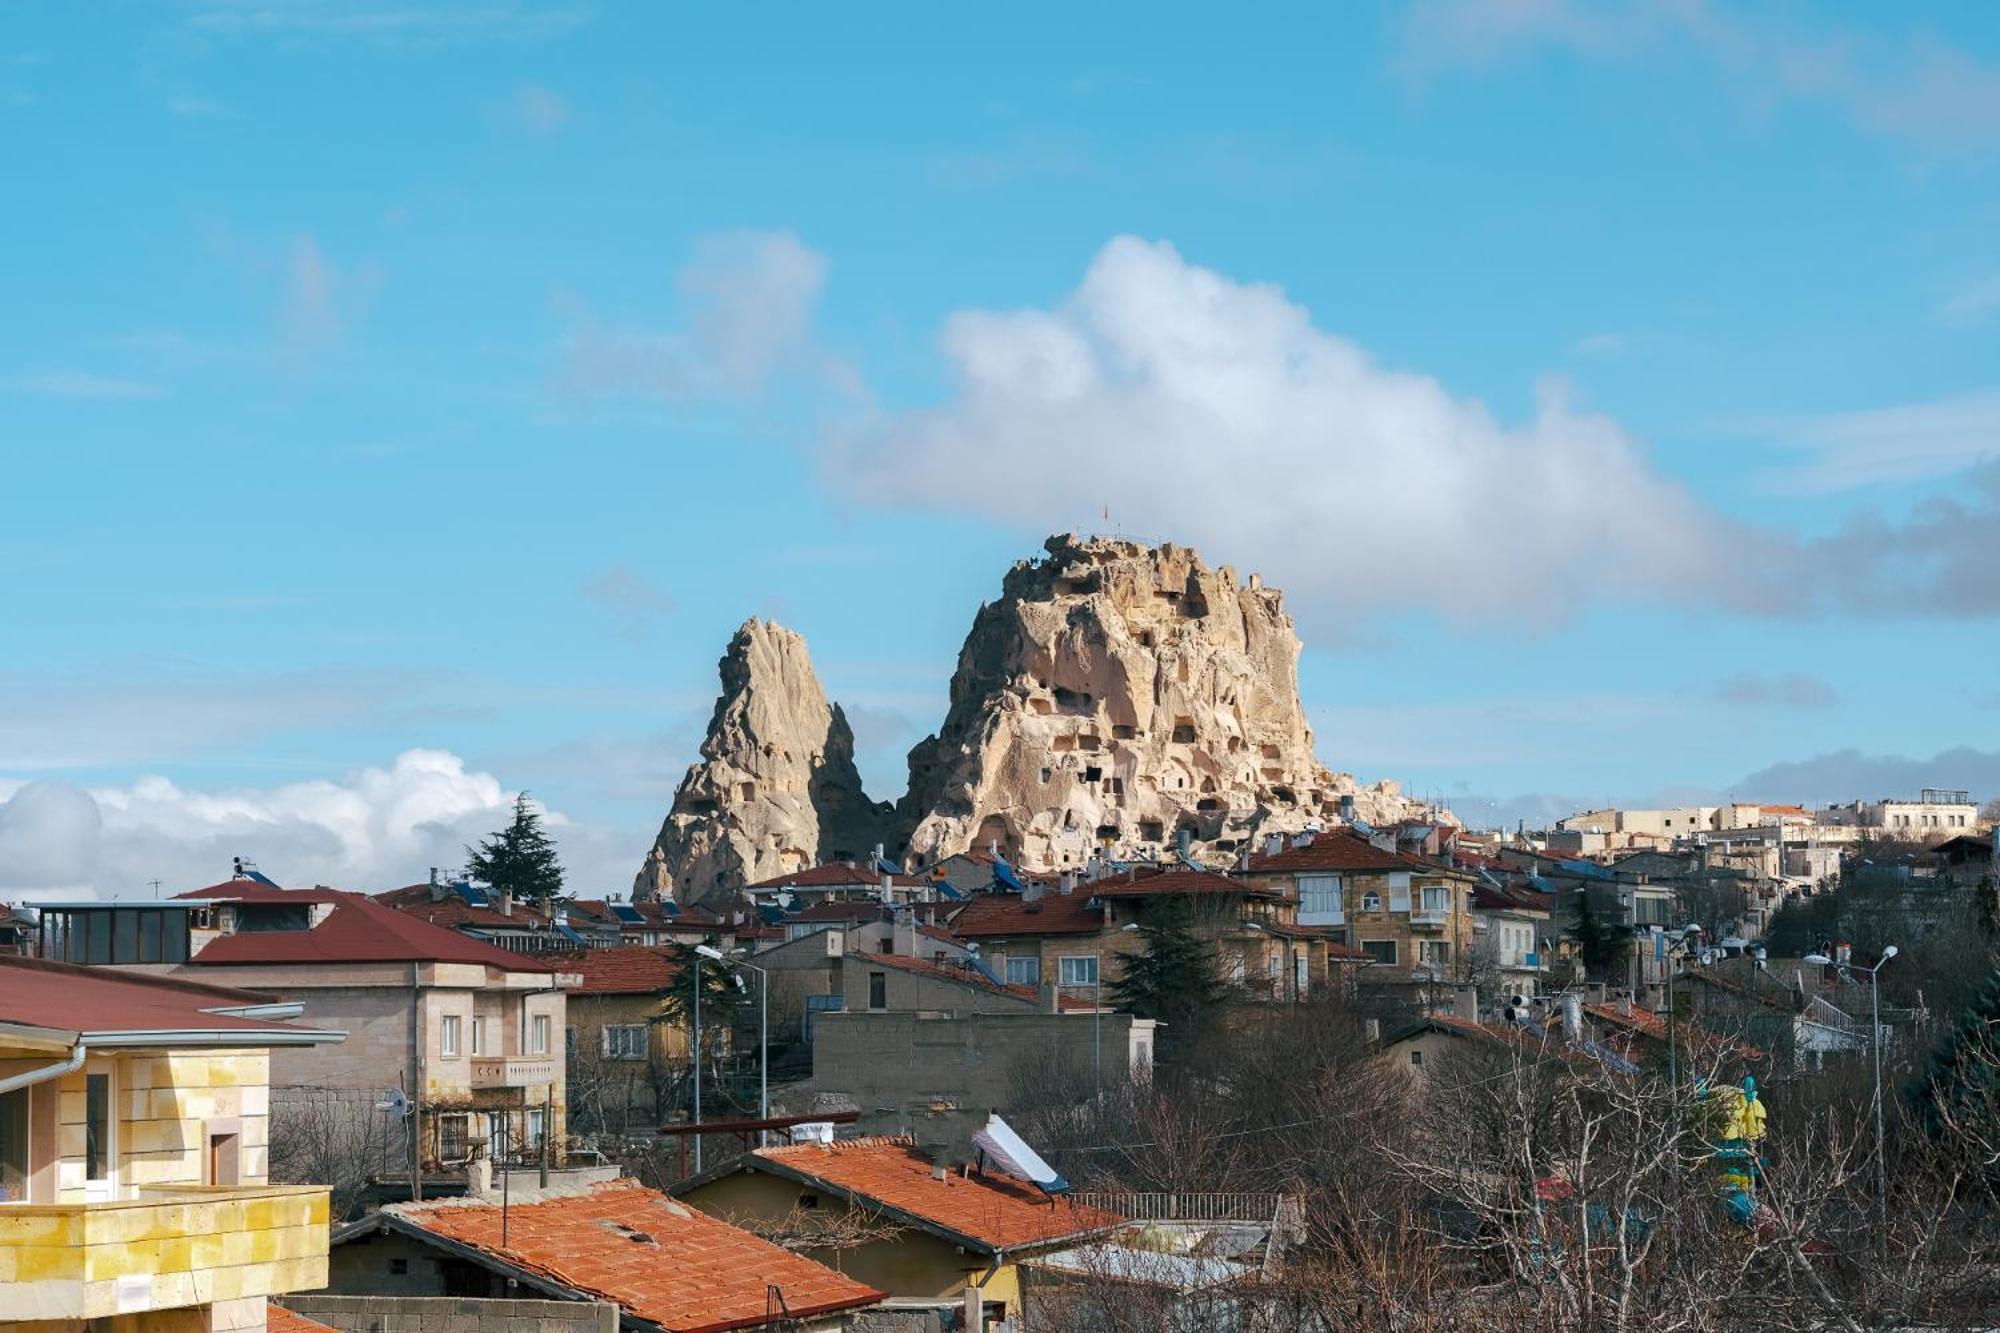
column 1175, row 980
column 1960, row 1087
column 520, row 859
column 1602, row 945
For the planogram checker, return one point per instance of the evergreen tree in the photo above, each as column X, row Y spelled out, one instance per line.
column 723, row 1004
column 1601, row 944
column 519, row 859
column 1960, row 1086
column 1175, row 980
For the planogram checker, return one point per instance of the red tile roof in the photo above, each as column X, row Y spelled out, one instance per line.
column 358, row 930
column 994, row 1212
column 277, row 1319
column 996, row 915
column 1653, row 1026
column 1329, row 851
column 661, row 1261
column 1150, row 881
column 456, row 913
column 64, row 997
column 965, row 976
column 1511, row 898
column 624, row 969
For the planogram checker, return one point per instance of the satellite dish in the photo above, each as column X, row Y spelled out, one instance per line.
column 394, row 1102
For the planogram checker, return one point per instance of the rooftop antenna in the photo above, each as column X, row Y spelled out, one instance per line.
column 156, row 886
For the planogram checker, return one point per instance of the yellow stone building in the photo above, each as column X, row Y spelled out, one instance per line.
column 133, row 1153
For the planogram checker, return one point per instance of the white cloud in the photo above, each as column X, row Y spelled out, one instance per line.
column 1918, row 90
column 1213, row 412
column 372, row 829
column 1793, row 689
column 1908, row 442
column 750, row 297
column 1973, row 302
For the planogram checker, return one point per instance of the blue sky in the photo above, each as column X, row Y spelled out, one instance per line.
column 401, row 404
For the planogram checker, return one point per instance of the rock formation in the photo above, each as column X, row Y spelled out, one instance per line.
column 776, row 789
column 1115, row 697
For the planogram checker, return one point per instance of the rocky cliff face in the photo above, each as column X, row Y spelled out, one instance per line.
column 776, row 788
column 1114, row 696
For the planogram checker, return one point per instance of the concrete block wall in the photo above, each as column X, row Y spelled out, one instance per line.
column 447, row 1314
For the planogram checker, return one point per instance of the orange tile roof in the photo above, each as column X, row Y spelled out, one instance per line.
column 991, row 915
column 1146, row 881
column 661, row 1261
column 1336, row 849
column 1653, row 1026
column 277, row 1319
column 621, row 969
column 992, row 1211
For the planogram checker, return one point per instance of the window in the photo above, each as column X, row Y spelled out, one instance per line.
column 454, row 1137
column 539, row 1045
column 97, row 1126
column 1382, row 951
column 448, row 1036
column 1416, row 1057
column 878, row 990
column 535, row 1125
column 625, row 1041
column 399, row 1267
column 1399, row 894
column 1024, row 971
column 14, row 1146
column 1079, row 971
column 478, row 1035
column 1437, row 900
column 1319, row 893
column 1434, row 951
column 1371, row 901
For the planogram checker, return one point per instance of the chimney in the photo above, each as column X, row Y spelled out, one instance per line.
column 1184, row 840
column 1599, row 992
column 1067, row 883
column 1572, row 1015
column 1625, row 1004
column 1243, row 858
column 1302, row 839
column 1273, row 843
column 1372, row 1030
column 1031, row 891
column 904, row 935
column 506, row 902
column 1051, row 998
column 1465, row 1003
column 1347, row 808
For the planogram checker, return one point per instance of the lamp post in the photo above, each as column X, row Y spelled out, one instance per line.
column 701, row 951
column 1875, row 1035
column 763, row 1041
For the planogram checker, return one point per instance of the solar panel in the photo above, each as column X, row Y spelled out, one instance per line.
column 627, row 914
column 1003, row 874
column 472, row 894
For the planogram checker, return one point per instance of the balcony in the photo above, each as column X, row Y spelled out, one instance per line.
column 513, row 1071
column 168, row 1249
column 1432, row 917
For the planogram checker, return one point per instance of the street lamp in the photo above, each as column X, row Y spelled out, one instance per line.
column 763, row 1040
column 701, row 951
column 1875, row 1025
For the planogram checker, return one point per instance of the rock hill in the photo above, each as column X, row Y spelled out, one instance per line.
column 1116, row 696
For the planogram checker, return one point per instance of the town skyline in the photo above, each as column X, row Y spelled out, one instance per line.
column 378, row 457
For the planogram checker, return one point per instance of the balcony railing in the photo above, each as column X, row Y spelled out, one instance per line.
column 513, row 1071
column 1430, row 916
column 168, row 1249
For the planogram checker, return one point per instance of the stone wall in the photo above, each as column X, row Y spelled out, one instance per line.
column 446, row 1314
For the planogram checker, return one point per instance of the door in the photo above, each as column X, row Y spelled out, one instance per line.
column 100, row 1139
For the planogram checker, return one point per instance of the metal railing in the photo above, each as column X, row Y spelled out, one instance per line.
column 1281, row 1210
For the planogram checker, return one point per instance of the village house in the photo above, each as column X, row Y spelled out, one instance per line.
column 1410, row 917
column 934, row 1232
column 1514, row 934
column 668, row 1267
column 469, row 1035
column 133, row 1154
column 840, row 880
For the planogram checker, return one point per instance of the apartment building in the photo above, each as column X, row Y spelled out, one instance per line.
column 133, row 1148
column 468, row 1036
column 1410, row 917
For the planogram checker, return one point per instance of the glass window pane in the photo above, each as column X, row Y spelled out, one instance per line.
column 14, row 1146
column 149, row 936
column 99, row 950
column 96, row 1120
column 124, row 936
column 175, row 942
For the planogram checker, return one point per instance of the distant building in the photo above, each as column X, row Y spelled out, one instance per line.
column 1936, row 814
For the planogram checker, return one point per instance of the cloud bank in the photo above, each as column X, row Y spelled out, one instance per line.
column 374, row 828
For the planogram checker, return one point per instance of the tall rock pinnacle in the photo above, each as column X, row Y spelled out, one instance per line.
column 776, row 788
